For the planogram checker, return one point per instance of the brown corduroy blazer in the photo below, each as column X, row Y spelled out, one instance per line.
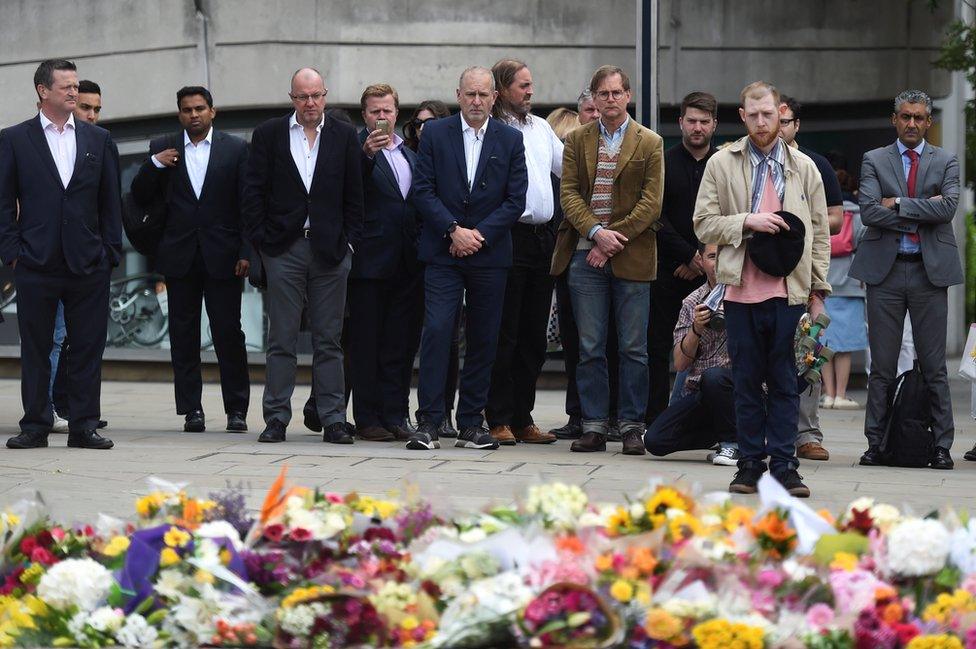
column 638, row 186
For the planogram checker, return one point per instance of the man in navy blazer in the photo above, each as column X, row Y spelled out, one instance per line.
column 199, row 172
column 469, row 189
column 303, row 206
column 385, row 284
column 64, row 176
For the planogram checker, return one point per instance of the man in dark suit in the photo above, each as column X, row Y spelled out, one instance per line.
column 64, row 174
column 469, row 189
column 385, row 284
column 908, row 258
column 199, row 173
column 303, row 205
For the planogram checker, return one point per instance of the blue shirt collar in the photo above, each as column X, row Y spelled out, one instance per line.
column 902, row 148
column 620, row 130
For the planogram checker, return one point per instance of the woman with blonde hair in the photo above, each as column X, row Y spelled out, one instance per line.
column 562, row 121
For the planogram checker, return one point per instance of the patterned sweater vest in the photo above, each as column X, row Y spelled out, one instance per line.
column 601, row 202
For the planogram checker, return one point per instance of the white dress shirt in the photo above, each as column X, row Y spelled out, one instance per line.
column 196, row 157
column 63, row 145
column 304, row 155
column 473, row 141
column 543, row 156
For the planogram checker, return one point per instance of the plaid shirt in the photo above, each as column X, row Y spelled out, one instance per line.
column 760, row 163
column 712, row 348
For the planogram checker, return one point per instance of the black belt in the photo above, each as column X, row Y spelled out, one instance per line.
column 542, row 228
column 909, row 256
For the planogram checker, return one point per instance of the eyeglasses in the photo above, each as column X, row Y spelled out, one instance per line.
column 607, row 94
column 315, row 97
column 418, row 123
column 786, row 122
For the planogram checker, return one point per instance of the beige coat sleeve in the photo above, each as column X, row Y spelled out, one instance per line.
column 711, row 225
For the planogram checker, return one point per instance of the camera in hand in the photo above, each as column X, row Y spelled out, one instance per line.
column 715, row 303
column 717, row 322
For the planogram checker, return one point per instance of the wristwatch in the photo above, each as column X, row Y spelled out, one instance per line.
column 451, row 228
column 898, row 204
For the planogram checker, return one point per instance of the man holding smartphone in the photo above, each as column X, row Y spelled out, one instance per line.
column 385, row 295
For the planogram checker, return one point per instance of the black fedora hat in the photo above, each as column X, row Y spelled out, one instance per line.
column 778, row 254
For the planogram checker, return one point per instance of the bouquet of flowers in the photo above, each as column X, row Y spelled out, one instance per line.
column 568, row 615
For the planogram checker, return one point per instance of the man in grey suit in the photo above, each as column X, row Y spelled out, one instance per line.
column 908, row 258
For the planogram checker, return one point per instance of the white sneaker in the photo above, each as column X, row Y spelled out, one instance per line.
column 60, row 424
column 826, row 402
column 843, row 403
column 726, row 456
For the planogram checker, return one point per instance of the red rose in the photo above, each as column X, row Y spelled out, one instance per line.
column 45, row 538
column 274, row 533
column 27, row 545
column 906, row 632
column 300, row 534
column 44, row 556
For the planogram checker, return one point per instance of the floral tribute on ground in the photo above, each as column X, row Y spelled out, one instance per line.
column 667, row 568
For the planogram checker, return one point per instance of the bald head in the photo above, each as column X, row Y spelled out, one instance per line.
column 306, row 76
column 308, row 96
column 476, row 73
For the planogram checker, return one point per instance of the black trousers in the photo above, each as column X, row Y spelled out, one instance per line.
column 569, row 337
column 85, row 299
column 222, row 297
column 522, row 336
column 59, row 396
column 667, row 293
column 385, row 317
column 697, row 420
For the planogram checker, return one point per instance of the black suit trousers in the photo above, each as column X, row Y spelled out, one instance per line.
column 522, row 336
column 385, row 317
column 667, row 293
column 223, row 301
column 85, row 299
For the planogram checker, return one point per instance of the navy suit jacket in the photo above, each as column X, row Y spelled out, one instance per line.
column 212, row 222
column 78, row 227
column 276, row 202
column 494, row 204
column 389, row 242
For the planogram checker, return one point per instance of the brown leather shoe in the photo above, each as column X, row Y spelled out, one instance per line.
column 374, row 434
column 532, row 435
column 633, row 443
column 589, row 443
column 812, row 451
column 503, row 435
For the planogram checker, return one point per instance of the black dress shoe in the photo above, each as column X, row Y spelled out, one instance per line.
column 871, row 457
column 195, row 422
column 273, row 432
column 28, row 440
column 312, row 421
column 337, row 433
column 970, row 455
column 572, row 430
column 634, row 442
column 236, row 422
column 102, row 424
column 941, row 459
column 89, row 439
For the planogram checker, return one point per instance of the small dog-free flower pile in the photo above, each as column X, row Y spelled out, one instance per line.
column 668, row 567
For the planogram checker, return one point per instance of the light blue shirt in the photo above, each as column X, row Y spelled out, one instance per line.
column 613, row 140
column 905, row 244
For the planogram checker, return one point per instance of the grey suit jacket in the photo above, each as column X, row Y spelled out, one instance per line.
column 883, row 176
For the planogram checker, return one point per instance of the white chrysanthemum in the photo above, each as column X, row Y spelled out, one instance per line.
column 171, row 583
column 559, row 504
column 136, row 633
column 106, row 619
column 76, row 626
column 598, row 518
column 298, row 620
column 80, row 583
column 963, row 552
column 474, row 535
column 885, row 516
column 322, row 525
column 917, row 547
column 220, row 530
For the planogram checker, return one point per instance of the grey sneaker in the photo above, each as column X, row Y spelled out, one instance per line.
column 424, row 439
column 475, row 437
column 725, row 456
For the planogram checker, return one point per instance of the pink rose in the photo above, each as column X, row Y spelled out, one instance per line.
column 820, row 617
column 770, row 578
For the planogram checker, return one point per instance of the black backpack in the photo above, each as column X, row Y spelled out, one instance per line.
column 908, row 439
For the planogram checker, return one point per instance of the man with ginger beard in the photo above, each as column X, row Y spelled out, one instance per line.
column 781, row 186
column 528, row 291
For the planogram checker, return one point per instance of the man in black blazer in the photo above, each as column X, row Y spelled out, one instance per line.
column 385, row 284
column 64, row 175
column 303, row 205
column 470, row 190
column 199, row 173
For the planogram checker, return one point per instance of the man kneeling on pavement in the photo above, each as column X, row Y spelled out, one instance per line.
column 701, row 415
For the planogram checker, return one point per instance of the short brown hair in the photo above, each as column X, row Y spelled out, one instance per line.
column 702, row 101
column 605, row 71
column 758, row 90
column 379, row 90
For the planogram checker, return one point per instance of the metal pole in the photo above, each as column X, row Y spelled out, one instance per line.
column 646, row 96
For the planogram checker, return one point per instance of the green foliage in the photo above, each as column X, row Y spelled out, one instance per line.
column 971, row 267
column 958, row 53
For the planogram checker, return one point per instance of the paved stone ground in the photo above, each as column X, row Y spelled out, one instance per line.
column 78, row 484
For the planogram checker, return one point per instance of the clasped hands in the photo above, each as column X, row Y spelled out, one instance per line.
column 465, row 241
column 608, row 243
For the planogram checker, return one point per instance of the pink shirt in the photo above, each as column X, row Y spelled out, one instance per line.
column 757, row 286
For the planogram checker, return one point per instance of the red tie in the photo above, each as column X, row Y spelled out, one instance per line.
column 912, row 177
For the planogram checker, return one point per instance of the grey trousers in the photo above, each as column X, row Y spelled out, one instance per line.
column 907, row 288
column 294, row 276
column 808, row 423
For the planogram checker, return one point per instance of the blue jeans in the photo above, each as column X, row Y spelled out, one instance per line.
column 594, row 292
column 60, row 333
column 761, row 348
column 698, row 419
